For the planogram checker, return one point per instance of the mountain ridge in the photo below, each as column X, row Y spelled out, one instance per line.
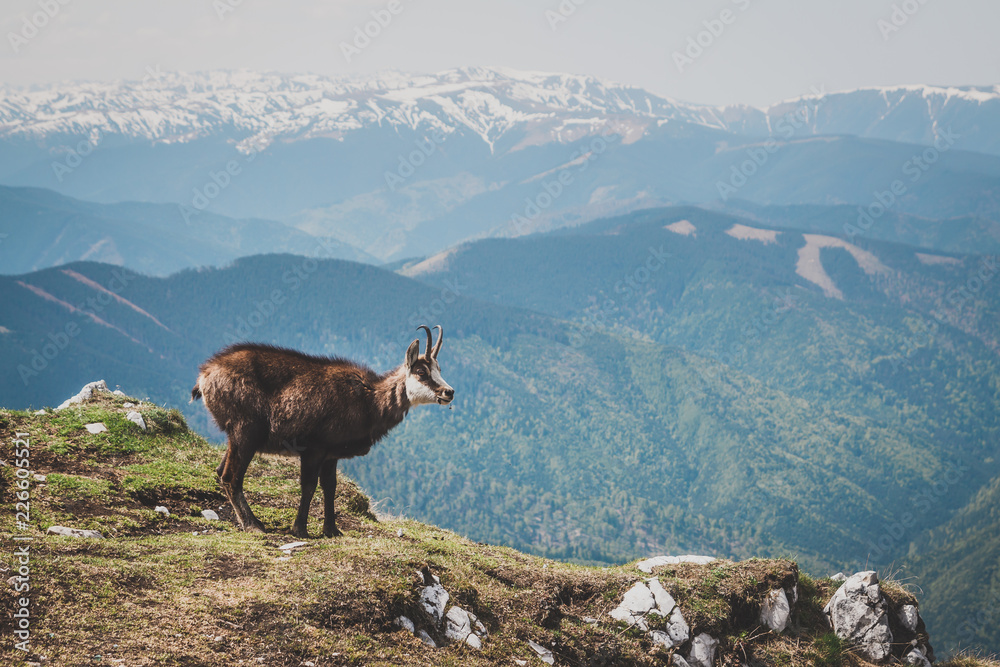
column 304, row 105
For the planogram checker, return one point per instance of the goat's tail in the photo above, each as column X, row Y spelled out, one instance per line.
column 196, row 391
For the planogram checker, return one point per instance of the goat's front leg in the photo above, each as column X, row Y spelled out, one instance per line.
column 309, row 474
column 328, row 478
column 238, row 456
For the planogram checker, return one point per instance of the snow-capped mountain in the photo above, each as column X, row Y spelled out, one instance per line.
column 401, row 165
column 493, row 103
column 910, row 114
column 263, row 108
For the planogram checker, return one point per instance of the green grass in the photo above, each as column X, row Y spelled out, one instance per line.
column 182, row 590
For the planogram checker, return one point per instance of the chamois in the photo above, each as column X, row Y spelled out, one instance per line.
column 322, row 409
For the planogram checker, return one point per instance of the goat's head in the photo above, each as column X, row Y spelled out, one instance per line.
column 424, row 383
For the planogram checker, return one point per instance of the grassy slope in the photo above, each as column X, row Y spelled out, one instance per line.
column 155, row 592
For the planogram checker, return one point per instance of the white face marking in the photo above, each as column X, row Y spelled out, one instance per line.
column 419, row 393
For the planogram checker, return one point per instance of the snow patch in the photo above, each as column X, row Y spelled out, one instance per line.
column 811, row 268
column 434, row 264
column 744, row 233
column 682, row 227
column 932, row 260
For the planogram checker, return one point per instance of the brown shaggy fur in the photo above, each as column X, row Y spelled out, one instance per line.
column 270, row 399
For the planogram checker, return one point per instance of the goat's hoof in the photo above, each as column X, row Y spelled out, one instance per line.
column 334, row 532
column 300, row 532
column 255, row 527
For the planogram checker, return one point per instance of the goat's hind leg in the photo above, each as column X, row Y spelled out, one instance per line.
column 328, row 478
column 242, row 447
column 309, row 476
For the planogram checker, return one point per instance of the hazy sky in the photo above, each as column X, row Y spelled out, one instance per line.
column 767, row 50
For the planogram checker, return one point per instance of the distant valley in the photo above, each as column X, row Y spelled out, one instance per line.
column 402, row 165
column 671, row 380
column 672, row 328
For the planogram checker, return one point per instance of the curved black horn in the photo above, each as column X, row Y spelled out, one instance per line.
column 437, row 346
column 430, row 340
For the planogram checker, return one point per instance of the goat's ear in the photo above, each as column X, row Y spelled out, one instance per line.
column 412, row 353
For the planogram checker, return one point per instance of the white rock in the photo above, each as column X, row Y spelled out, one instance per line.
column 478, row 627
column 162, row 510
column 474, row 641
column 774, row 611
column 544, row 654
column 909, row 617
column 119, row 392
column 74, row 532
column 128, row 405
column 648, row 564
column 210, row 515
column 458, row 626
column 292, row 545
column 703, row 651
column 520, row 663
column 96, row 428
column 679, row 661
column 859, row 614
column 840, row 576
column 405, row 623
column 39, row 412
column 38, row 478
column 638, row 601
column 664, row 600
column 426, row 638
column 85, row 394
column 917, row 657
column 434, row 598
column 136, row 419
column 677, row 627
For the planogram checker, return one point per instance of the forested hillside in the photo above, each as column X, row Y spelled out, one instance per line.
column 635, row 386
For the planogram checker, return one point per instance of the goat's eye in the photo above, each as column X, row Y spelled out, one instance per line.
column 418, row 371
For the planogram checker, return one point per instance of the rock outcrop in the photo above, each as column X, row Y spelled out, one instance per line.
column 85, row 394
column 861, row 614
column 437, row 624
